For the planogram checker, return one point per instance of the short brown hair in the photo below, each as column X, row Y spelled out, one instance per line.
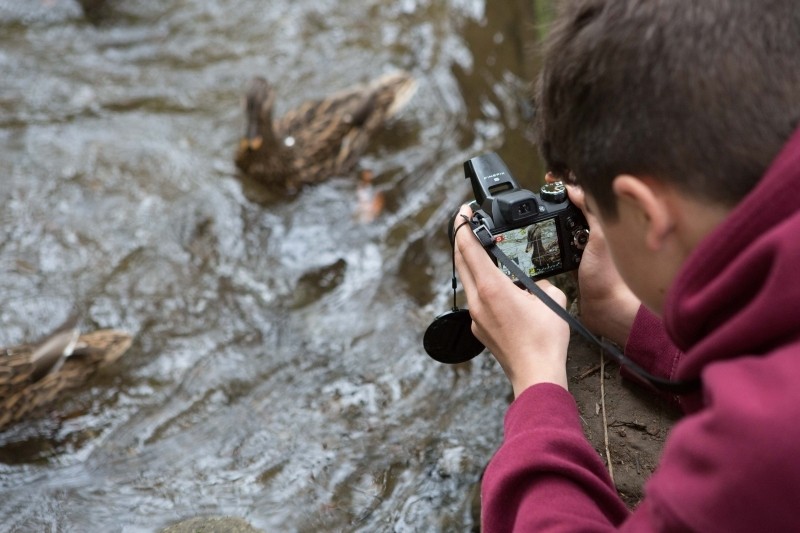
column 699, row 94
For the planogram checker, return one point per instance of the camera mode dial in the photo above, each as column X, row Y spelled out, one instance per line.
column 554, row 192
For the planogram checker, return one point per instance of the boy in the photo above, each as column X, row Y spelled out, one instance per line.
column 679, row 122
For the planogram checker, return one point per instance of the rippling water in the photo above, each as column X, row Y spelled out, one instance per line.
column 277, row 372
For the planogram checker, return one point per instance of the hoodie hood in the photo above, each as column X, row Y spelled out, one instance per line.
column 739, row 291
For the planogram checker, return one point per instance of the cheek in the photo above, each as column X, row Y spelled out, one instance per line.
column 636, row 271
column 628, row 273
column 623, row 258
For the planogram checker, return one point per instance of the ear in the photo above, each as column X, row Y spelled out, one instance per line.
column 649, row 202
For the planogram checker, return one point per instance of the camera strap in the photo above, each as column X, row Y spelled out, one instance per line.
column 674, row 387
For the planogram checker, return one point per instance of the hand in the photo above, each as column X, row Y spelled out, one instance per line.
column 527, row 339
column 608, row 307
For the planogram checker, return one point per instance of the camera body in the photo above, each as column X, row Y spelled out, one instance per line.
column 544, row 233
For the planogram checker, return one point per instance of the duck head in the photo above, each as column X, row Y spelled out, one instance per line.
column 260, row 154
column 258, row 109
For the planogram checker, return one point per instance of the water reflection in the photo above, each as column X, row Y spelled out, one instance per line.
column 277, row 372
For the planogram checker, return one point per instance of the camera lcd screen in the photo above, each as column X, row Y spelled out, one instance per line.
column 534, row 248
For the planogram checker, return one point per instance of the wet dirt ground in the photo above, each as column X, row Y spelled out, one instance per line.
column 632, row 429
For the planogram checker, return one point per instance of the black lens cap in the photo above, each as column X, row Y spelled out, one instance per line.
column 449, row 338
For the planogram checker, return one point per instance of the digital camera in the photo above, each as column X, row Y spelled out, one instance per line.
column 545, row 234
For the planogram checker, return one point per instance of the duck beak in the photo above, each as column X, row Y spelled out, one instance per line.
column 251, row 143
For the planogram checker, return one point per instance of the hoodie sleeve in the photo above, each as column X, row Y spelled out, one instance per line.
column 650, row 347
column 546, row 474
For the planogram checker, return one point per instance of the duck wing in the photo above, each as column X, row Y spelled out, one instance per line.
column 329, row 135
column 21, row 394
column 28, row 363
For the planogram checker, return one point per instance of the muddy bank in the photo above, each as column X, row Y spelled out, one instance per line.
column 635, row 425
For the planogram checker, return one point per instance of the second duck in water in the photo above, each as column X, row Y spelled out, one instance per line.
column 318, row 139
column 34, row 376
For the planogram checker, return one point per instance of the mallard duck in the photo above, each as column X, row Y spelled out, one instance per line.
column 541, row 256
column 318, row 139
column 33, row 375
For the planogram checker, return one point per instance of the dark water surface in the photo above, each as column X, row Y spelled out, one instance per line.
column 277, row 372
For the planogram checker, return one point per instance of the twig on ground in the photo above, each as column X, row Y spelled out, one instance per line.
column 603, row 409
column 587, row 373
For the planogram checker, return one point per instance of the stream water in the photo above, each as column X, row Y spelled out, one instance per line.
column 277, row 372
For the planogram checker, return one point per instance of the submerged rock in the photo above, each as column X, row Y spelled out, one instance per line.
column 212, row 524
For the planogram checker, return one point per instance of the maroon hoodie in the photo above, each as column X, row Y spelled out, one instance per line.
column 733, row 462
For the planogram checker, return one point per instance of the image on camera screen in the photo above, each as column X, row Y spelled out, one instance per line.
column 534, row 248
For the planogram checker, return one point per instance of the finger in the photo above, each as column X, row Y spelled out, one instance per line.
column 553, row 292
column 463, row 211
column 462, row 240
column 472, row 261
column 471, row 253
column 464, row 237
column 576, row 196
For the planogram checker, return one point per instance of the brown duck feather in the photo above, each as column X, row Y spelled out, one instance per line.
column 318, row 139
column 33, row 375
